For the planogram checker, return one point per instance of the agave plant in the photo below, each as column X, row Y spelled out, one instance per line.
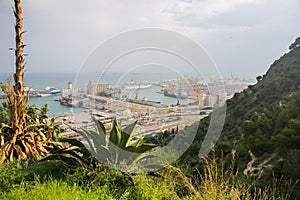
column 125, row 139
column 73, row 155
column 119, row 148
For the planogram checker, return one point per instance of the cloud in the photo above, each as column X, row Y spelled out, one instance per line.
column 61, row 33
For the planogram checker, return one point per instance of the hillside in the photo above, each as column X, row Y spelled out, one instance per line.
column 262, row 125
column 282, row 78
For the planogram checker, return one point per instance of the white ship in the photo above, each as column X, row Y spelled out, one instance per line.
column 51, row 90
column 133, row 85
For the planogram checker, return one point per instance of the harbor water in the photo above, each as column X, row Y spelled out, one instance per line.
column 41, row 80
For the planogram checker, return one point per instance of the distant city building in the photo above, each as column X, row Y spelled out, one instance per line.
column 97, row 88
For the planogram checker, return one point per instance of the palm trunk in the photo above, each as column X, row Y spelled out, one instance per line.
column 17, row 99
column 16, row 138
column 20, row 102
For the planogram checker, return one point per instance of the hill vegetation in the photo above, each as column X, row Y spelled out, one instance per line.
column 262, row 126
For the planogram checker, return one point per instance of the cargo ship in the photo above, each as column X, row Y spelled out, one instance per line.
column 148, row 103
column 174, row 95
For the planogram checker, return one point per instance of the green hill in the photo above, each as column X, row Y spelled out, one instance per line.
column 282, row 78
column 262, row 125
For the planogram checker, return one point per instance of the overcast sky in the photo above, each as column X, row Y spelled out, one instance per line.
column 242, row 37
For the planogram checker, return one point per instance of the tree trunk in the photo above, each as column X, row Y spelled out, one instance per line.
column 20, row 102
column 17, row 99
column 19, row 140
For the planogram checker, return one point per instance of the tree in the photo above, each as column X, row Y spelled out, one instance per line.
column 258, row 78
column 295, row 44
column 25, row 134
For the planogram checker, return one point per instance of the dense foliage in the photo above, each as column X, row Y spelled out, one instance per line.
column 262, row 126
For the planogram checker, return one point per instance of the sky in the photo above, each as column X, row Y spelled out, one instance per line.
column 242, row 37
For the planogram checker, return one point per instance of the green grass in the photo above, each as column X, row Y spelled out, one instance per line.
column 55, row 189
column 53, row 180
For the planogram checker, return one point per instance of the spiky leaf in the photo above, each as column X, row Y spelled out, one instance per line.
column 116, row 133
column 127, row 134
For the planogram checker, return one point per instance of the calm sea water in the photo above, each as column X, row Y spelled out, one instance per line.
column 60, row 80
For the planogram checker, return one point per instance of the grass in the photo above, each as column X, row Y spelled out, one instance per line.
column 55, row 189
column 53, row 180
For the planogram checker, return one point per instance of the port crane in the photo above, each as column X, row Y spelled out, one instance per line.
column 171, row 90
column 196, row 90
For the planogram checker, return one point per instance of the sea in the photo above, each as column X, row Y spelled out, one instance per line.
column 40, row 81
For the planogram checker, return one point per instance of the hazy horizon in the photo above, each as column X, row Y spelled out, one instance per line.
column 243, row 38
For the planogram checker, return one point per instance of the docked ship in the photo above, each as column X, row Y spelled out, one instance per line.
column 68, row 101
column 145, row 102
column 133, row 85
column 67, row 96
column 170, row 93
column 48, row 91
column 51, row 90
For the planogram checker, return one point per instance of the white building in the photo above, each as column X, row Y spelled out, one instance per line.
column 70, row 91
